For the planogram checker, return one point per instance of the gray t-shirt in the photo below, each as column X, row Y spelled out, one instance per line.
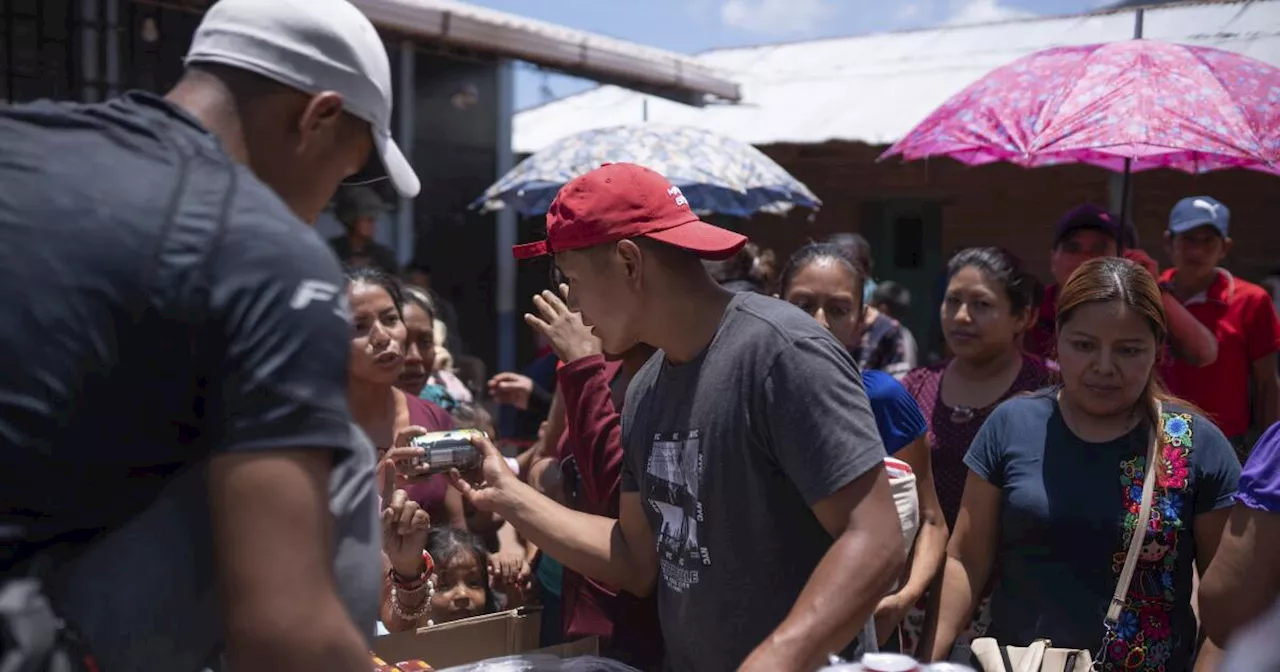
column 730, row 451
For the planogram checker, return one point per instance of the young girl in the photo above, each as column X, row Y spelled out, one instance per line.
column 824, row 280
column 1055, row 485
column 460, row 581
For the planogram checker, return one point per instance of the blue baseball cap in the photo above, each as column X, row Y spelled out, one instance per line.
column 1197, row 211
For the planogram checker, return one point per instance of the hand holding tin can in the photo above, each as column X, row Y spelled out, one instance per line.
column 489, row 484
column 407, row 457
column 442, row 451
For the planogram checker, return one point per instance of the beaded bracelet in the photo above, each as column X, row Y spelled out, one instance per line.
column 428, row 567
column 423, row 582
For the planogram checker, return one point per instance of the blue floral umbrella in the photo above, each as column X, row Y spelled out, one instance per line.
column 717, row 174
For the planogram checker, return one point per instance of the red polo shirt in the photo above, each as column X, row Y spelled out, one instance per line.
column 1241, row 316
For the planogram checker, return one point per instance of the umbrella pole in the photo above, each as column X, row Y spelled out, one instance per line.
column 1126, row 187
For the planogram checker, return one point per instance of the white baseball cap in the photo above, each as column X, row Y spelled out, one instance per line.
column 311, row 46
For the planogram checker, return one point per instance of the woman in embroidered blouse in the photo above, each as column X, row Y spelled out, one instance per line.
column 1055, row 485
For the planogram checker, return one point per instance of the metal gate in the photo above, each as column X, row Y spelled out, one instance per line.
column 90, row 50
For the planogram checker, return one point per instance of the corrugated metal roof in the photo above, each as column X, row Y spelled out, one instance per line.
column 575, row 51
column 875, row 88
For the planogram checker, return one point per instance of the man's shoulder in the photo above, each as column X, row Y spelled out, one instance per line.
column 763, row 322
column 107, row 162
column 1248, row 293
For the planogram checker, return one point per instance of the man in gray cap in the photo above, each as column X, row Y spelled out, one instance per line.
column 358, row 209
column 175, row 372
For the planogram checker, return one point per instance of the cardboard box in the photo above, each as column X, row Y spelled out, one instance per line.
column 474, row 639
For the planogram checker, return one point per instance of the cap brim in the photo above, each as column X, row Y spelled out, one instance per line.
column 706, row 241
column 1190, row 224
column 1066, row 231
column 397, row 166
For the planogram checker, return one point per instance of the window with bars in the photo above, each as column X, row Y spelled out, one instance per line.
column 37, row 48
column 153, row 41
column 91, row 49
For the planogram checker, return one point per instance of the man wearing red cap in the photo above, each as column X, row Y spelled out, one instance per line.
column 1088, row 232
column 754, row 497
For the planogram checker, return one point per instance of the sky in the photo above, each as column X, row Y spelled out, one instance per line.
column 691, row 26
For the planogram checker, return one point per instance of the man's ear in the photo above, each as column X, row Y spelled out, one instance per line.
column 632, row 257
column 321, row 118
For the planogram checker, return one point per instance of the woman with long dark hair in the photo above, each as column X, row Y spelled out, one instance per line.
column 378, row 346
column 986, row 307
column 1055, row 484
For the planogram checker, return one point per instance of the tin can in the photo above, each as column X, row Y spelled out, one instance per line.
column 448, row 450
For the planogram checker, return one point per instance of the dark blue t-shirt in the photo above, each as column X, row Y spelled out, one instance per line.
column 162, row 305
column 1065, row 506
column 898, row 416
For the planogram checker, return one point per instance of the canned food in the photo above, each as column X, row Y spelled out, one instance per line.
column 448, row 450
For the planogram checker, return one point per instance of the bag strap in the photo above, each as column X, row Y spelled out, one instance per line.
column 1121, row 595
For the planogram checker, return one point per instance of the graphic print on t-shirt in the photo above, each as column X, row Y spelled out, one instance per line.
column 675, row 470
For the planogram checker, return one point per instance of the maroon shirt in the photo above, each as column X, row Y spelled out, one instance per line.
column 1042, row 337
column 591, row 462
column 951, row 439
column 429, row 495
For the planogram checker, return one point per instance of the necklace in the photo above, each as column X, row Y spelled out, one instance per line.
column 961, row 414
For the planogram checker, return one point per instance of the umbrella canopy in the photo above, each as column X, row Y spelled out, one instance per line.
column 1151, row 103
column 717, row 174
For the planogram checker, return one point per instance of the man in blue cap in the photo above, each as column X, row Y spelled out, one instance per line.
column 1239, row 314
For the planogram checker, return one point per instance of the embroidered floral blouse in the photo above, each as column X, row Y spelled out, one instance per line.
column 1068, row 510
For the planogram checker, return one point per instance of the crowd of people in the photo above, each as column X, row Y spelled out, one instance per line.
column 736, row 463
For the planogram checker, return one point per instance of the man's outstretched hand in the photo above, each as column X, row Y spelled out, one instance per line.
column 493, row 486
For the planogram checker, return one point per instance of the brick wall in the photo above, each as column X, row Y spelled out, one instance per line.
column 1013, row 207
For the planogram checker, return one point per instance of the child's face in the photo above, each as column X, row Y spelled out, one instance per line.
column 460, row 589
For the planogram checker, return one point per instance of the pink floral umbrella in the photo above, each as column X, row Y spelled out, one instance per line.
column 1124, row 106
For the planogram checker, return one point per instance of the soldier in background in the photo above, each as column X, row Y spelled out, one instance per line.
column 357, row 209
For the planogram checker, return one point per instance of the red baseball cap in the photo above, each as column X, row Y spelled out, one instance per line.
column 623, row 200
